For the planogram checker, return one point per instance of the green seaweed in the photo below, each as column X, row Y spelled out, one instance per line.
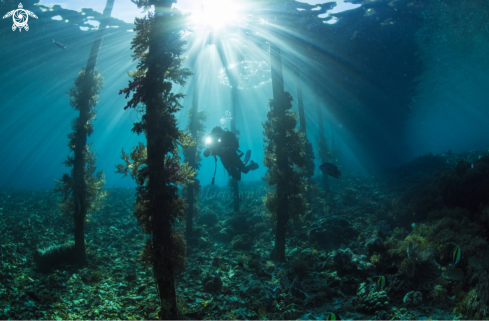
column 286, row 160
column 296, row 156
column 192, row 156
column 156, row 167
column 93, row 189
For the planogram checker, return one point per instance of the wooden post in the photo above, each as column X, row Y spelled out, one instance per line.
column 234, row 96
column 191, row 160
column 81, row 133
column 323, row 147
column 157, row 148
column 281, row 152
column 300, row 102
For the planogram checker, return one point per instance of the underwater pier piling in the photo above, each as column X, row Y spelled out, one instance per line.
column 79, row 186
column 322, row 146
column 234, row 182
column 157, row 167
column 192, row 155
column 286, row 158
column 302, row 121
column 189, row 219
column 81, row 190
column 233, row 82
column 157, row 148
column 278, row 253
column 300, row 100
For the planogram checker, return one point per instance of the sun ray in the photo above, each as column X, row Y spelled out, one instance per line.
column 216, row 14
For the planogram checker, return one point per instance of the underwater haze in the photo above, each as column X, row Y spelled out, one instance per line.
column 395, row 81
column 263, row 159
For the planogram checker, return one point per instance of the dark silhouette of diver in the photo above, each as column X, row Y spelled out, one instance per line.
column 223, row 143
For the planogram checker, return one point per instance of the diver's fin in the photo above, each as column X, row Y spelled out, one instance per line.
column 247, row 157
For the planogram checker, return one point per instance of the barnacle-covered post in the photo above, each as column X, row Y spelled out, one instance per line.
column 300, row 101
column 192, row 154
column 82, row 191
column 284, row 149
column 323, row 150
column 233, row 82
column 302, row 121
column 156, row 167
column 192, row 157
column 233, row 181
column 280, row 154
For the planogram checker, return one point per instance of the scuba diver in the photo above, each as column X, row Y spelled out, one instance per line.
column 223, row 143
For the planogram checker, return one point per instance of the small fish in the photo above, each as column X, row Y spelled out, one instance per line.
column 387, row 22
column 454, row 274
column 380, row 281
column 333, row 316
column 60, row 45
column 369, row 12
column 330, row 169
column 409, row 249
column 457, row 253
column 476, row 262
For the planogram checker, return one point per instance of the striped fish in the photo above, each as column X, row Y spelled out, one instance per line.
column 380, row 281
column 457, row 253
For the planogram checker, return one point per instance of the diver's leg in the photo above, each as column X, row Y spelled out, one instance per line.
column 251, row 167
column 239, row 165
column 245, row 169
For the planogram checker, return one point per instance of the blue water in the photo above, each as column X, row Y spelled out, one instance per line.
column 391, row 88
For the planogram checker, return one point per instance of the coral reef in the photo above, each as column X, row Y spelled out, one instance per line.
column 347, row 262
column 212, row 283
column 241, row 242
column 413, row 298
column 476, row 301
column 238, row 223
column 418, row 272
column 369, row 299
column 209, row 218
column 375, row 244
column 300, row 267
column 243, row 282
column 383, row 227
column 330, row 232
column 462, row 186
column 439, row 293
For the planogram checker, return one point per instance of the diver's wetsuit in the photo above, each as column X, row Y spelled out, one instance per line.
column 225, row 145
